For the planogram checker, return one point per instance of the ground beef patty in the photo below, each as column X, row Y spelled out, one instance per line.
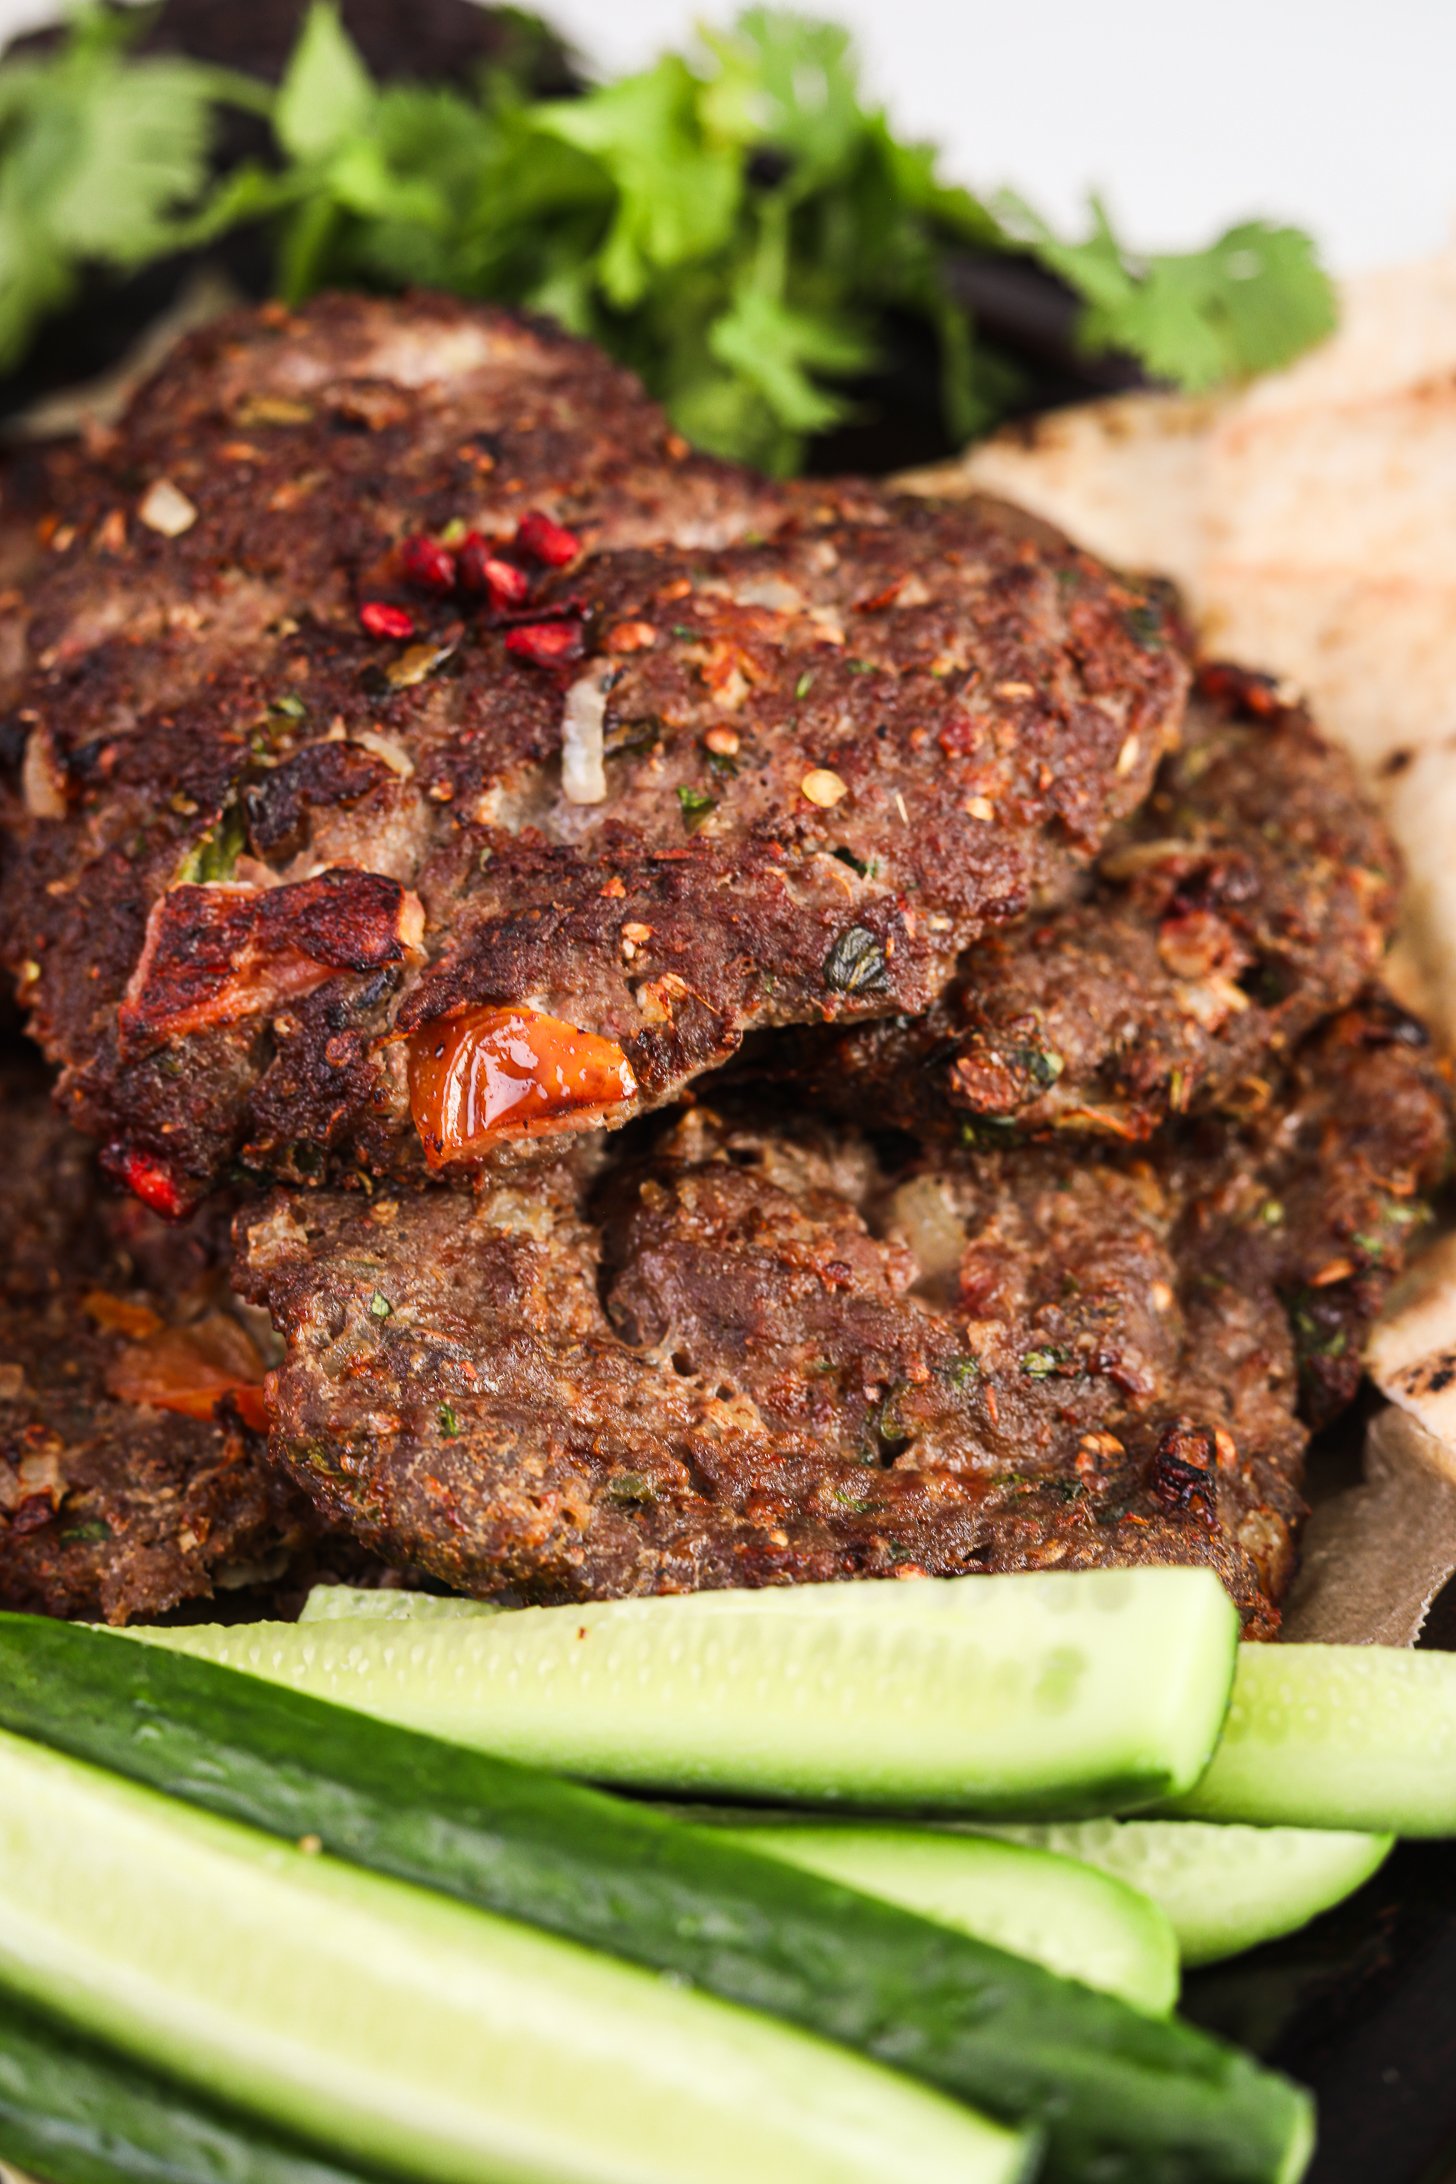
column 331, row 737
column 714, row 1358
column 1253, row 893
column 111, row 1508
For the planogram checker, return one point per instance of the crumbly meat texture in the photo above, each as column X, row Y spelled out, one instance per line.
column 112, row 1510
column 832, row 756
column 1254, row 893
column 34, row 477
column 719, row 1361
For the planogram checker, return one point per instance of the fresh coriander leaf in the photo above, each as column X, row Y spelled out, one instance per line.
column 1096, row 268
column 248, row 194
column 739, row 223
column 677, row 193
column 777, row 349
column 786, row 81
column 719, row 411
column 305, row 245
column 142, row 144
column 99, row 154
column 327, row 94
column 363, row 182
column 1255, row 299
column 912, row 173
column 1276, row 300
column 33, row 279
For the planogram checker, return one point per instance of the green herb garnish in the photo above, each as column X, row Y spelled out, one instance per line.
column 696, row 805
column 1251, row 301
column 738, row 222
column 215, row 857
column 1041, row 1364
column 102, row 153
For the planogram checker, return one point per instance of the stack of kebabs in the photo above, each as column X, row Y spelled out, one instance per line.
column 648, row 1029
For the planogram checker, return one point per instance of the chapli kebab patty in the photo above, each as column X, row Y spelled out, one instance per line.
column 111, row 1507
column 715, row 1359
column 1254, row 892
column 405, row 741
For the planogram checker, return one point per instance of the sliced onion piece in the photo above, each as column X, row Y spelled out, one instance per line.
column 583, row 758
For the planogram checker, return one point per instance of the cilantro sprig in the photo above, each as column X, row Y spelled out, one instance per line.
column 737, row 222
column 102, row 155
column 1253, row 300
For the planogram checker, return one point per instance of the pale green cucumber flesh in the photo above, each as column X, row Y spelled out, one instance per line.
column 1224, row 1887
column 75, row 2113
column 387, row 2024
column 386, row 1604
column 1105, row 1934
column 1044, row 1694
column 1350, row 1737
column 1122, row 2096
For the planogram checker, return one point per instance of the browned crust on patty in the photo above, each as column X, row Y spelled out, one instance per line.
column 112, row 1510
column 714, row 1361
column 1252, row 894
column 973, row 702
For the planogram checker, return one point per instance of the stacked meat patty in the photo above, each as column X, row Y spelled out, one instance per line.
column 750, row 1033
column 133, row 1465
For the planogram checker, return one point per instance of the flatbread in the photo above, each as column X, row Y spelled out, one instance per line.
column 1310, row 520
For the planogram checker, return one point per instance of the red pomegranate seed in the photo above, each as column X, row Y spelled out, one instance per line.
column 545, row 540
column 486, row 574
column 426, row 562
column 385, row 621
column 546, row 643
column 149, row 1181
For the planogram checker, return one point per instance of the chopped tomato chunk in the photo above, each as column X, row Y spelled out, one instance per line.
column 494, row 1073
column 191, row 1369
column 147, row 1180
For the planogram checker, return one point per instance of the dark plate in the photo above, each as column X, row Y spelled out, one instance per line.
column 1361, row 2008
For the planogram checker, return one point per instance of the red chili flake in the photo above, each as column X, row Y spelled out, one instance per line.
column 382, row 620
column 545, row 540
column 1241, row 688
column 153, row 1184
column 426, row 562
column 881, row 599
column 485, row 574
column 546, row 643
column 963, row 732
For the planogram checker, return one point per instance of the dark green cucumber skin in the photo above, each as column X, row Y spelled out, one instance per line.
column 73, row 2113
column 1122, row 2098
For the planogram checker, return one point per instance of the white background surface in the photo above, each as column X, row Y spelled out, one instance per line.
column 1341, row 116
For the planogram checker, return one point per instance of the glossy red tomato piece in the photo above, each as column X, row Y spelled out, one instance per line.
column 494, row 1073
